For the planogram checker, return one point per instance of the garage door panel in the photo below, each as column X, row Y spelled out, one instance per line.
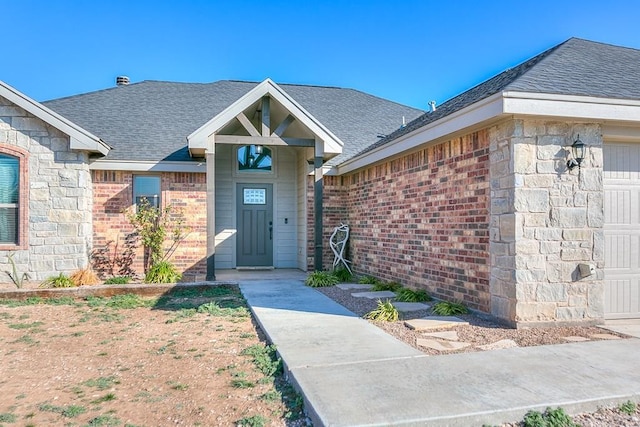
column 623, row 298
column 622, row 230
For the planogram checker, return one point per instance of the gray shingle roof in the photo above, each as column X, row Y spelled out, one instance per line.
column 151, row 120
column 575, row 67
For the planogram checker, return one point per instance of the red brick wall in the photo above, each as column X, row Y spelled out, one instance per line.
column 334, row 213
column 421, row 219
column 113, row 192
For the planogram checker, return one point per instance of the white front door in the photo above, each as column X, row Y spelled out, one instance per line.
column 622, row 230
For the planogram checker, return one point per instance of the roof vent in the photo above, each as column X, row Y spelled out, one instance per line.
column 122, row 81
column 432, row 105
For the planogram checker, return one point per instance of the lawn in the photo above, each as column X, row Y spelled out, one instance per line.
column 191, row 357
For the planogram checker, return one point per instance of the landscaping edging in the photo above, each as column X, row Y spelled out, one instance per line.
column 141, row 289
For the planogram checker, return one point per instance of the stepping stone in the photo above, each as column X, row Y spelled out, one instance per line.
column 347, row 286
column 575, row 339
column 375, row 295
column 434, row 322
column 605, row 336
column 441, row 345
column 499, row 345
column 406, row 307
column 446, row 335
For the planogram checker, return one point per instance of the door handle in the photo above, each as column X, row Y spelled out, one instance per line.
column 270, row 230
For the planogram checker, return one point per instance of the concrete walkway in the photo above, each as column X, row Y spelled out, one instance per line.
column 353, row 374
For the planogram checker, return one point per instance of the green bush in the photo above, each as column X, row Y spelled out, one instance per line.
column 409, row 295
column 550, row 418
column 118, row 280
column 628, row 407
column 448, row 308
column 343, row 274
column 367, row 280
column 320, row 279
column 385, row 312
column 382, row 286
column 60, row 281
column 162, row 272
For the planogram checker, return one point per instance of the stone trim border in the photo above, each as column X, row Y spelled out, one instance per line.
column 140, row 289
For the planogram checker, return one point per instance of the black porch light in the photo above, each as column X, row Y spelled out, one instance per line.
column 577, row 153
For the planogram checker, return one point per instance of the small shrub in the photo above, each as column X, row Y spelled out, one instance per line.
column 253, row 421
column 60, row 281
column 320, row 279
column 448, row 308
column 550, row 418
column 162, row 272
column 409, row 295
column 367, row 280
column 343, row 274
column 17, row 278
column 385, row 312
column 265, row 359
column 118, row 280
column 391, row 286
column 8, row 417
column 84, row 277
column 628, row 407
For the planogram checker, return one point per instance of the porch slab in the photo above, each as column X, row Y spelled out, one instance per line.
column 434, row 322
column 374, row 295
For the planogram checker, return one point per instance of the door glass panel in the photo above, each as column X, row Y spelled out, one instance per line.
column 254, row 196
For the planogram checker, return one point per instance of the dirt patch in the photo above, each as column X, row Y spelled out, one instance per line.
column 188, row 358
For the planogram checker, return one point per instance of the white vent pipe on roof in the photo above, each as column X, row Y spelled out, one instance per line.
column 432, row 105
column 122, row 81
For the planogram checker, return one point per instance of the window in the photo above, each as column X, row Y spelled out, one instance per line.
column 146, row 187
column 254, row 158
column 9, row 199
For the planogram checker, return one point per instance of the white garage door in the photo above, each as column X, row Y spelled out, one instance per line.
column 622, row 230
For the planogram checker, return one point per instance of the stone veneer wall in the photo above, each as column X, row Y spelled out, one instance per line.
column 421, row 219
column 545, row 220
column 57, row 233
column 113, row 192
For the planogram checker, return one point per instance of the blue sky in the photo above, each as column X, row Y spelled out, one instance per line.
column 407, row 51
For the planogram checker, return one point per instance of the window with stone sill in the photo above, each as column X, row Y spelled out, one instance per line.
column 9, row 200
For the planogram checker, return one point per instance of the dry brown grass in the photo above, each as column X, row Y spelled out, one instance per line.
column 84, row 277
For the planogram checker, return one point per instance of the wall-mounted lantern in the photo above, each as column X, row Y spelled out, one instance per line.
column 577, row 153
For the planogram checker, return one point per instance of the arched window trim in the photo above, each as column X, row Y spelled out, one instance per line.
column 23, row 196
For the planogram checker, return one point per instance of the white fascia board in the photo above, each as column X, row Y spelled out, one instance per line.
column 198, row 139
column 80, row 139
column 571, row 106
column 142, row 166
column 487, row 109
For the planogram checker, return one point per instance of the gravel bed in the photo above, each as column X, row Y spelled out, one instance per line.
column 480, row 331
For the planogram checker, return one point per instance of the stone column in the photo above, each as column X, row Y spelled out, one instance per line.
column 545, row 221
